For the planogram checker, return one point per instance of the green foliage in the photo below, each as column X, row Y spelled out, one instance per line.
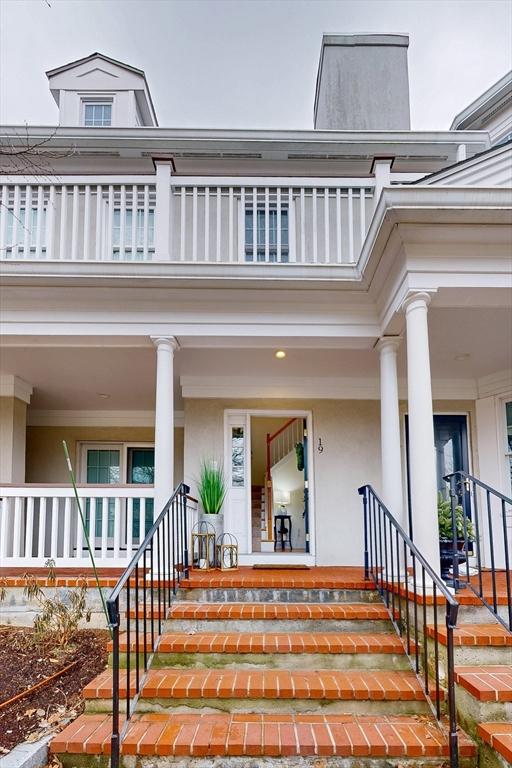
column 444, row 515
column 211, row 487
column 299, row 453
column 59, row 616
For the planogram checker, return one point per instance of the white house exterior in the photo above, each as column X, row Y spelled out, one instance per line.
column 158, row 272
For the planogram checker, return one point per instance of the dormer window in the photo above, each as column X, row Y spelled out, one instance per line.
column 97, row 114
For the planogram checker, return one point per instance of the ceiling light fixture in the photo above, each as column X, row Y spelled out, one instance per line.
column 280, row 354
column 463, row 356
column 103, row 395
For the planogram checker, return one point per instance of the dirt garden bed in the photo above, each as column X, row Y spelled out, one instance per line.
column 25, row 663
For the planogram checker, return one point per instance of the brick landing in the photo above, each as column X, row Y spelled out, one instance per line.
column 262, row 735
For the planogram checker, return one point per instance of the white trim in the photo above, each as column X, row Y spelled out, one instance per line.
column 97, row 418
column 313, row 388
column 495, row 384
column 13, row 386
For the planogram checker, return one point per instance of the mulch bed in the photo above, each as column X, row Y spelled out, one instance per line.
column 23, row 663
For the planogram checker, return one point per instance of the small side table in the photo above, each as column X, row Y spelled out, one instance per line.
column 283, row 530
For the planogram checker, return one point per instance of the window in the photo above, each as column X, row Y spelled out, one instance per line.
column 97, row 115
column 142, row 220
column 18, row 226
column 237, row 457
column 266, row 223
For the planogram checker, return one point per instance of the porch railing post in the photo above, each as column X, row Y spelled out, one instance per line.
column 163, row 209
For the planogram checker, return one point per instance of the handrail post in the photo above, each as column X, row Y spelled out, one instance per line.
column 455, row 550
column 363, row 492
column 185, row 490
column 451, row 623
column 115, row 740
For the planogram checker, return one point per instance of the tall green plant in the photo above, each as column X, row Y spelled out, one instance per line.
column 211, row 487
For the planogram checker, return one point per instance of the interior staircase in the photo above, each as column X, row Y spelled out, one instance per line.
column 292, row 668
column 257, row 516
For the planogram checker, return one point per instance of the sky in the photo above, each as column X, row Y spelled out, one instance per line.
column 248, row 63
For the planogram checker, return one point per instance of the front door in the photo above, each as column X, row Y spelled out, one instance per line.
column 451, row 446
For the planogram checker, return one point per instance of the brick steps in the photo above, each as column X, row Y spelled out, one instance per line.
column 287, row 735
column 485, row 635
column 486, row 683
column 288, row 650
column 268, row 690
column 499, row 737
column 270, row 643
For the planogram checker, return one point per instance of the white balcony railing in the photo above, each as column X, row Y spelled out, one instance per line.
column 41, row 522
column 78, row 221
column 202, row 219
column 297, row 221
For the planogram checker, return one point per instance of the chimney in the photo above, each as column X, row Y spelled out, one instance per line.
column 363, row 83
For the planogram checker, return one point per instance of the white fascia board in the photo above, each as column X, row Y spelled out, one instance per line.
column 57, row 418
column 495, row 384
column 169, row 140
column 484, row 103
column 13, row 386
column 319, row 388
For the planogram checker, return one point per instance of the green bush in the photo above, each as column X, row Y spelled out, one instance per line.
column 444, row 516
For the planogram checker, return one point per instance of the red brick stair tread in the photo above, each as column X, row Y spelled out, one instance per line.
column 265, row 684
column 262, row 735
column 475, row 634
column 321, row 577
column 271, row 642
column 486, row 683
column 333, row 611
column 499, row 737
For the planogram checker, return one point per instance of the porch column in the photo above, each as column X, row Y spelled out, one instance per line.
column 391, row 459
column 422, row 460
column 164, row 420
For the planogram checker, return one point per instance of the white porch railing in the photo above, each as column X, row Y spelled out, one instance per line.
column 204, row 219
column 41, row 522
column 79, row 220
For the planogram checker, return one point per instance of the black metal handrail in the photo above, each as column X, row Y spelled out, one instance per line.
column 391, row 560
column 487, row 509
column 152, row 579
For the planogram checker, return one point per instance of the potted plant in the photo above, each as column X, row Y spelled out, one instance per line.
column 463, row 528
column 211, row 488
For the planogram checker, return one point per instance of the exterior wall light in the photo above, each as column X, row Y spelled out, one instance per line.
column 280, row 354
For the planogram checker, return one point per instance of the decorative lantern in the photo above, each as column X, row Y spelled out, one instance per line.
column 203, row 546
column 227, row 552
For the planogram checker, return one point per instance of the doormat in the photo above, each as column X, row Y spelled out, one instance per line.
column 277, row 567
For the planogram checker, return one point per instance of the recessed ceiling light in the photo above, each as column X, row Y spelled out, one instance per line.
column 463, row 356
column 280, row 354
column 103, row 395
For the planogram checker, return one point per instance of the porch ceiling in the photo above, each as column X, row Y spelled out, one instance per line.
column 73, row 378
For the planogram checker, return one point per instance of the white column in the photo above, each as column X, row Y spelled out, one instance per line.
column 382, row 171
column 164, row 420
column 163, row 209
column 391, row 459
column 422, row 460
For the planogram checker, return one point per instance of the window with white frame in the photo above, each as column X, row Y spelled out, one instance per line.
column 25, row 226
column 266, row 233
column 97, row 114
column 133, row 244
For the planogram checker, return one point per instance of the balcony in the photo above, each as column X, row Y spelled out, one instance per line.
column 187, row 220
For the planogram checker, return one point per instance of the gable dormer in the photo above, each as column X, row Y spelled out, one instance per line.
column 100, row 92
